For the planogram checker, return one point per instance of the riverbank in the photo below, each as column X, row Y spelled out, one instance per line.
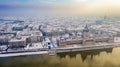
column 60, row 50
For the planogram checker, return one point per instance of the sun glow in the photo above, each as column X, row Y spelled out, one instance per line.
column 81, row 0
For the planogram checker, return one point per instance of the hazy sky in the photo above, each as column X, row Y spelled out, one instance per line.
column 84, row 7
column 61, row 1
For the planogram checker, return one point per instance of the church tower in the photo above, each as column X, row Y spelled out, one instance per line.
column 86, row 36
column 85, row 33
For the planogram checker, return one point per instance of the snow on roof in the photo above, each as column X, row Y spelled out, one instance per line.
column 47, row 40
column 16, row 40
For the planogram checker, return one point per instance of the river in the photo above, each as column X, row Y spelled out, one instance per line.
column 95, row 58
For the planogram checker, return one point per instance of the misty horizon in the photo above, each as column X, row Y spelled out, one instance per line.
column 80, row 7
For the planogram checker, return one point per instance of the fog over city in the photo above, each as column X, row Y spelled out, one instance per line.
column 59, row 33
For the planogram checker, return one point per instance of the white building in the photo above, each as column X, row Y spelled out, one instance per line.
column 116, row 39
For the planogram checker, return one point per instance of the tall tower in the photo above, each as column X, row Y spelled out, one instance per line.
column 86, row 37
column 105, row 18
column 85, row 33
